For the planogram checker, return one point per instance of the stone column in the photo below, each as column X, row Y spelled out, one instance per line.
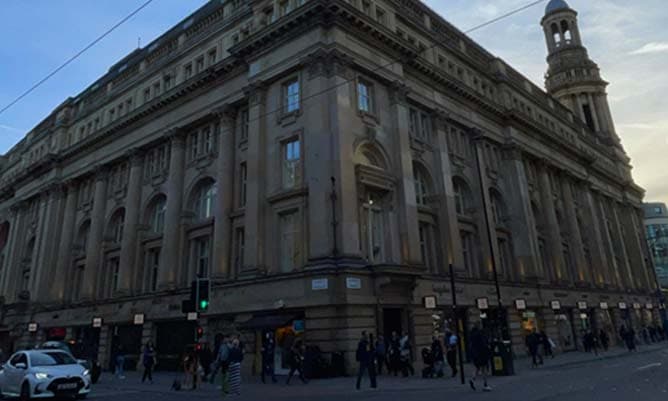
column 44, row 276
column 225, row 168
column 408, row 217
column 522, row 223
column 170, row 260
column 625, row 268
column 14, row 256
column 130, row 226
column 95, row 237
column 609, row 241
column 554, row 245
column 490, row 250
column 448, row 223
column 254, row 252
column 44, row 204
column 641, row 270
column 63, row 262
column 594, row 114
column 581, row 275
column 597, row 243
column 9, row 246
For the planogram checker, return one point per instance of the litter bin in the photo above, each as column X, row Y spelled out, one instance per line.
column 502, row 359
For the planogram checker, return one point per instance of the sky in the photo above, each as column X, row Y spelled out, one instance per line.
column 628, row 39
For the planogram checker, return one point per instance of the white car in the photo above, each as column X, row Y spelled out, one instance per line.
column 43, row 374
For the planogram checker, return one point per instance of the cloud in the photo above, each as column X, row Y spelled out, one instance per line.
column 10, row 128
column 652, row 47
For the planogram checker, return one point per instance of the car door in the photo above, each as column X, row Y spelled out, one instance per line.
column 13, row 374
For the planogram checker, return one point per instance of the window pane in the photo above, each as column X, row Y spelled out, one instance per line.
column 292, row 100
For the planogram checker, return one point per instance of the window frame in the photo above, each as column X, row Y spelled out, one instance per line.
column 368, row 96
column 294, row 165
column 291, row 101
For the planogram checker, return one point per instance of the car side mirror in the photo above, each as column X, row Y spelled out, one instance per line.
column 21, row 365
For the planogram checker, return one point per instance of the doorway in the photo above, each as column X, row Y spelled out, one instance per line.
column 392, row 322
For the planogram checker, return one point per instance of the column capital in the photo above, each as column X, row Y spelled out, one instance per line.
column 101, row 172
column 441, row 117
column 477, row 134
column 227, row 114
column 398, row 93
column 135, row 156
column 177, row 136
column 513, row 151
column 328, row 63
column 256, row 92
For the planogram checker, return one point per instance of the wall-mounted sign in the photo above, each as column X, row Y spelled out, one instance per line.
column 649, row 306
column 520, row 304
column 555, row 305
column 139, row 319
column 483, row 316
column 97, row 322
column 192, row 316
column 319, row 284
column 622, row 306
column 636, row 305
column 430, row 302
column 32, row 327
column 583, row 316
column 582, row 305
column 483, row 303
column 604, row 305
column 353, row 283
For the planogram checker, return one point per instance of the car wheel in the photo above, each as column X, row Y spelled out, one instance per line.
column 25, row 392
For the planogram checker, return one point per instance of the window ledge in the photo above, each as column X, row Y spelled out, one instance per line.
column 368, row 117
column 287, row 193
column 287, row 118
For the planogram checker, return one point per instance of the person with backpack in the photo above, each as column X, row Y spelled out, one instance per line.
column 451, row 354
column 365, row 358
column 406, row 356
column 223, row 363
column 148, row 359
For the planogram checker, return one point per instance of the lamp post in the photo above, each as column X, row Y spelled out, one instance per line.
column 460, row 353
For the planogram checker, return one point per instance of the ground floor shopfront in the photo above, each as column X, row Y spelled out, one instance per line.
column 327, row 310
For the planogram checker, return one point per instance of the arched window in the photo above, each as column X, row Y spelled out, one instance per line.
column 116, row 224
column 566, row 31
column 204, row 200
column 156, row 214
column 462, row 196
column 82, row 237
column 499, row 212
column 422, row 184
column 369, row 155
column 556, row 35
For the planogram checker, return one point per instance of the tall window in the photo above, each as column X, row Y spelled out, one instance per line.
column 504, row 254
column 373, row 228
column 202, row 254
column 462, row 197
column 291, row 96
column 153, row 264
column 421, row 185
column 290, row 241
column 468, row 251
column 116, row 227
column 427, row 244
column 364, row 96
column 245, row 120
column 291, row 164
column 205, row 199
column 207, row 136
column 113, row 272
column 188, row 71
column 240, row 244
column 242, row 184
column 158, row 214
column 193, row 144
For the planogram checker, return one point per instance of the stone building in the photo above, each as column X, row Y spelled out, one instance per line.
column 656, row 226
column 323, row 162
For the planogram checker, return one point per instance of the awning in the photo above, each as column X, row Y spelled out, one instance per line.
column 268, row 321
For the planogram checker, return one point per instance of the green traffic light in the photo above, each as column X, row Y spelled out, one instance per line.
column 203, row 304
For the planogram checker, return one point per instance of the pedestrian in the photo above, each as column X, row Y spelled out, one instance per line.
column 119, row 362
column 205, row 360
column 296, row 361
column 365, row 358
column 222, row 364
column 236, row 357
column 149, row 362
column 395, row 354
column 268, row 351
column 585, row 341
column 189, row 370
column 480, row 353
column 533, row 341
column 604, row 339
column 548, row 344
column 380, row 354
column 451, row 354
column 438, row 357
column 631, row 339
column 406, row 356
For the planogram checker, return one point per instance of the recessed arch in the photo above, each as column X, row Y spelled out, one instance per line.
column 202, row 198
column 463, row 196
column 116, row 225
column 371, row 155
column 155, row 213
column 424, row 186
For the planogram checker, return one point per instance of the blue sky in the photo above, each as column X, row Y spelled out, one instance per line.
column 628, row 39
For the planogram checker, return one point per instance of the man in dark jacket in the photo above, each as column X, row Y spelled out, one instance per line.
column 533, row 341
column 365, row 357
column 268, row 349
column 480, row 353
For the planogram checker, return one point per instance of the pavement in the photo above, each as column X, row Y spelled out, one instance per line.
column 613, row 376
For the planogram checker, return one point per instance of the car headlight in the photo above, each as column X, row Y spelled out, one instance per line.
column 42, row 376
column 86, row 372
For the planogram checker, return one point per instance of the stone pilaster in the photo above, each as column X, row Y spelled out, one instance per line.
column 90, row 276
column 170, row 264
column 581, row 275
column 408, row 218
column 6, row 267
column 63, row 262
column 130, row 226
column 554, row 245
column 597, row 243
column 45, row 206
column 44, row 274
column 625, row 268
column 14, row 257
column 613, row 269
column 487, row 233
column 225, row 168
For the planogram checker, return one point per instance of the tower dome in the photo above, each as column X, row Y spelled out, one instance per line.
column 555, row 5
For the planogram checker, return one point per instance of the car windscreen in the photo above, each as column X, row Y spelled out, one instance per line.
column 51, row 359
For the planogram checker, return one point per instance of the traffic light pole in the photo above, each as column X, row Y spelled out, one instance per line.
column 460, row 353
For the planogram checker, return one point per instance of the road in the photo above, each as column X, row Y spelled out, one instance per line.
column 642, row 376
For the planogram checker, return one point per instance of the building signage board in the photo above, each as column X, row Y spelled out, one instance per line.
column 649, row 306
column 604, row 305
column 97, row 322
column 192, row 316
column 483, row 303
column 555, row 305
column 430, row 302
column 520, row 304
column 353, row 283
column 319, row 284
column 582, row 305
column 32, row 327
column 139, row 319
column 636, row 305
column 622, row 305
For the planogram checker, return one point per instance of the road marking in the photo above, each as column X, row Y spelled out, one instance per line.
column 650, row 366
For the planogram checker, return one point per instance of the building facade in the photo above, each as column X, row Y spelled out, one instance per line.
column 323, row 163
column 656, row 226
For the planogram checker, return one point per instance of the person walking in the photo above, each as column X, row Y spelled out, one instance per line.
column 236, row 357
column 480, row 353
column 365, row 358
column 532, row 342
column 548, row 345
column 406, row 356
column 296, row 361
column 451, row 353
column 438, row 357
column 119, row 362
column 222, row 363
column 148, row 360
column 268, row 351
column 205, row 360
column 604, row 339
column 395, row 354
column 380, row 354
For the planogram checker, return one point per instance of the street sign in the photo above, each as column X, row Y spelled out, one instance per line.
column 192, row 316
column 319, row 284
column 604, row 305
column 32, row 327
column 139, row 319
column 622, row 306
column 520, row 304
column 582, row 305
column 430, row 302
column 636, row 305
column 97, row 322
column 649, row 306
column 483, row 303
column 555, row 305
column 353, row 283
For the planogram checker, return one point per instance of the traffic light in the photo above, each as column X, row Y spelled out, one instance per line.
column 202, row 286
column 199, row 333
